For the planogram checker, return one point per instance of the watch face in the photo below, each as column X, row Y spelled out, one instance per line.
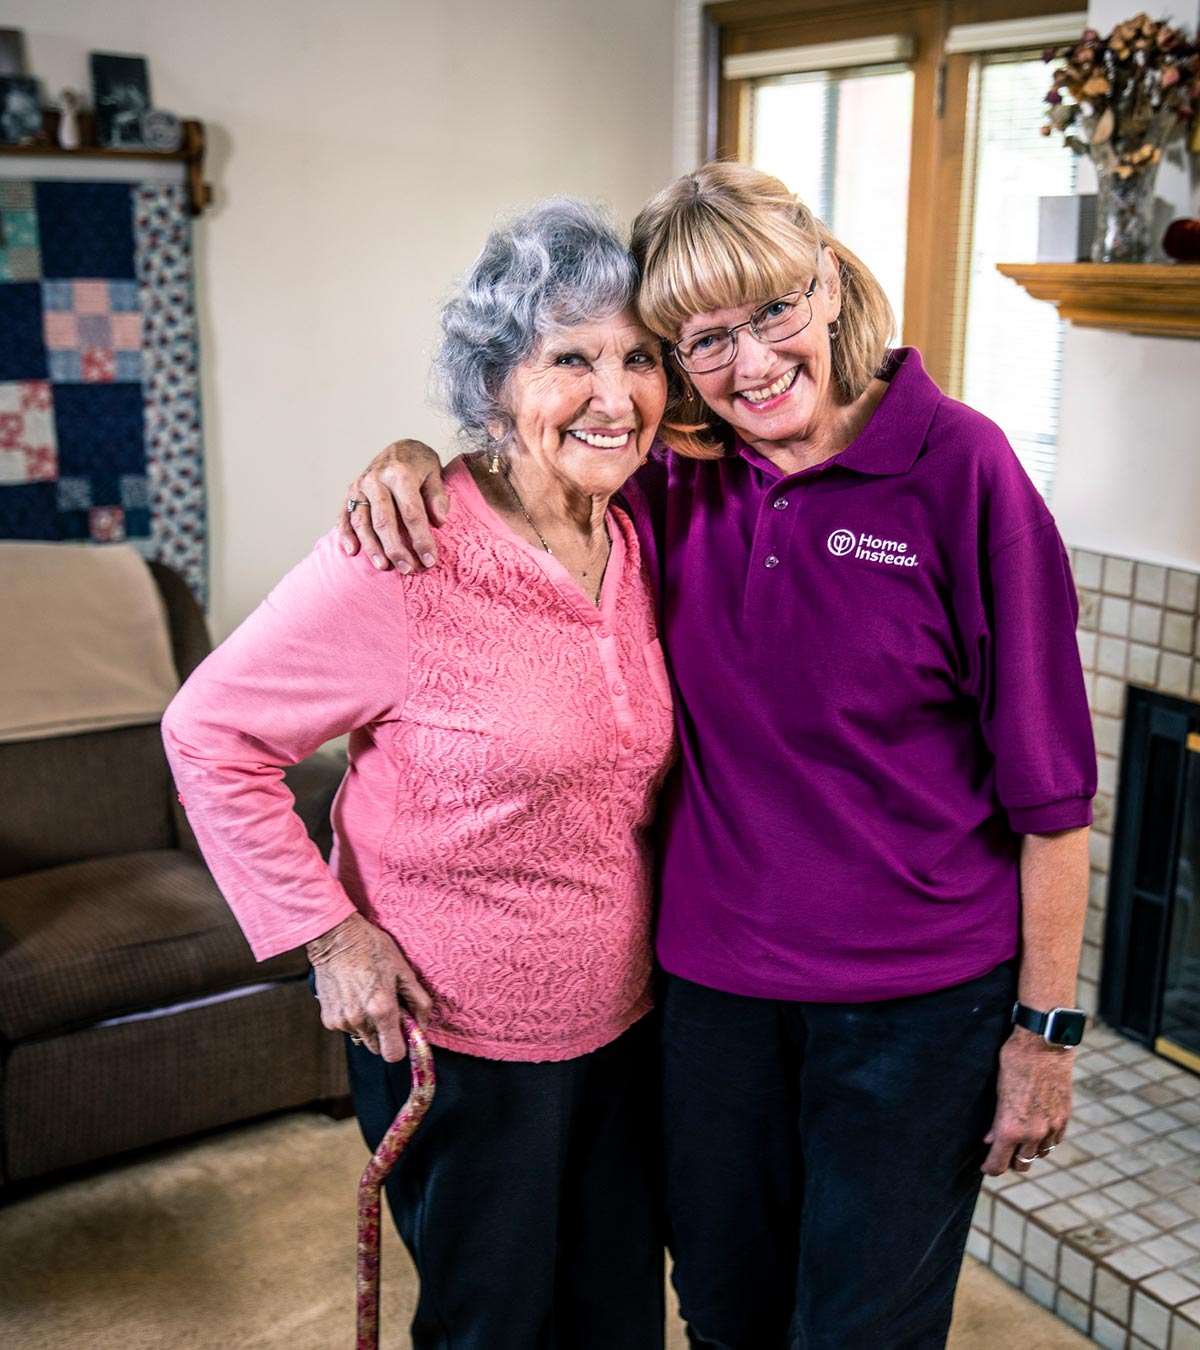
column 1065, row 1026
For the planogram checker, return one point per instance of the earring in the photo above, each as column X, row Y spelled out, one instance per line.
column 494, row 462
column 835, row 328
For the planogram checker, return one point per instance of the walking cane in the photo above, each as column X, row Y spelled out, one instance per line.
column 401, row 1130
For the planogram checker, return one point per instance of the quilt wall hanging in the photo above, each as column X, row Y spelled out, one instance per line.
column 99, row 377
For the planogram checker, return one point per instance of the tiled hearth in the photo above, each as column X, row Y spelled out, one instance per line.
column 1106, row 1231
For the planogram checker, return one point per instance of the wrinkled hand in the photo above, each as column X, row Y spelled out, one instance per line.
column 403, row 486
column 362, row 979
column 1033, row 1102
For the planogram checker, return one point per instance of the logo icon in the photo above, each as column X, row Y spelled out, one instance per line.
column 841, row 542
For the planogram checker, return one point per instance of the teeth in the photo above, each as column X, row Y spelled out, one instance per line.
column 772, row 391
column 602, row 442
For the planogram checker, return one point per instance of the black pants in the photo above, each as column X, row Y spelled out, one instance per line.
column 529, row 1197
column 823, row 1162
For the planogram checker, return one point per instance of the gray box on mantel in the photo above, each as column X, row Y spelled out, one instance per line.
column 1066, row 227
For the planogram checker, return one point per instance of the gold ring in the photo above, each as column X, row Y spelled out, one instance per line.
column 355, row 1040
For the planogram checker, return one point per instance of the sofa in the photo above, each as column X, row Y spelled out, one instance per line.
column 131, row 1009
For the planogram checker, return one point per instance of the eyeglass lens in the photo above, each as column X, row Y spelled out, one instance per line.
column 775, row 321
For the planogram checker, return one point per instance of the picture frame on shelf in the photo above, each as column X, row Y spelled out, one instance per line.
column 20, row 110
column 12, row 52
column 120, row 99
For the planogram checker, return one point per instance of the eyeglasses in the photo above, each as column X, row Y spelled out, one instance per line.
column 775, row 321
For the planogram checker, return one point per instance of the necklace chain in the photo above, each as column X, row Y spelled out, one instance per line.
column 512, row 487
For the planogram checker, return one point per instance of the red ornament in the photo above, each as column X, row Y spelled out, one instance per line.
column 1182, row 240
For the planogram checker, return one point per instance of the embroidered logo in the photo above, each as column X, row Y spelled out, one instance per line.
column 888, row 552
column 841, row 542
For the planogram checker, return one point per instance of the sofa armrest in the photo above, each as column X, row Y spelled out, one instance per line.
column 314, row 783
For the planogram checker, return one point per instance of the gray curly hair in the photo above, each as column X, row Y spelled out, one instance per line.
column 558, row 264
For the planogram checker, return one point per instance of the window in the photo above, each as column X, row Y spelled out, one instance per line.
column 926, row 158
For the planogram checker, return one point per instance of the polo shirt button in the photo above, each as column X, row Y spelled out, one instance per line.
column 627, row 741
column 780, row 503
column 771, row 561
column 618, row 689
column 604, row 633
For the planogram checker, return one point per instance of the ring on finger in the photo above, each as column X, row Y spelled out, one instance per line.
column 355, row 1040
column 1045, row 1152
column 1021, row 1158
column 355, row 501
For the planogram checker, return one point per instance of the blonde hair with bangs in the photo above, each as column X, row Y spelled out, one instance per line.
column 729, row 235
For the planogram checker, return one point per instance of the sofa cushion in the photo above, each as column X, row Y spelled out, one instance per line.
column 98, row 939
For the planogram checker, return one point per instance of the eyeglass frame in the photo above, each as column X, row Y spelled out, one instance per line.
column 732, row 333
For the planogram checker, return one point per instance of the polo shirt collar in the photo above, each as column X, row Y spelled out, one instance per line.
column 891, row 441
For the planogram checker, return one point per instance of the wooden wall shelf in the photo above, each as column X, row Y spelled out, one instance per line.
column 190, row 154
column 1152, row 299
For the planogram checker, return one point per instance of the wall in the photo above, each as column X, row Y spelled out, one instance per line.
column 359, row 152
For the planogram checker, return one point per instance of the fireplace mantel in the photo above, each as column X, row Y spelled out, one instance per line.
column 1151, row 299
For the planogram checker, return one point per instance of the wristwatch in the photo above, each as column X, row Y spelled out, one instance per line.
column 1059, row 1026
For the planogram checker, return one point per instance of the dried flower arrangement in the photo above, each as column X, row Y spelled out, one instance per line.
column 1128, row 93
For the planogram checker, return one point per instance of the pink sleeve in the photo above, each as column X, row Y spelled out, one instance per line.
column 324, row 653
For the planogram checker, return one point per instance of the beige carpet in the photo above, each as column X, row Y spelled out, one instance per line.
column 245, row 1241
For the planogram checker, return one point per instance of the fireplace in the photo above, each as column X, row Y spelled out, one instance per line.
column 1150, row 982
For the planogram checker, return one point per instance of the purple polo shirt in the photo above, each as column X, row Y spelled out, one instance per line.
column 878, row 691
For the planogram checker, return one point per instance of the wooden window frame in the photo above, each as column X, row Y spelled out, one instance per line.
column 940, row 171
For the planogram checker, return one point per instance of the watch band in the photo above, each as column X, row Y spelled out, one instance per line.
column 1059, row 1026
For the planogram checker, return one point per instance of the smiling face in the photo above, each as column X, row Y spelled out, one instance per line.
column 587, row 403
column 775, row 394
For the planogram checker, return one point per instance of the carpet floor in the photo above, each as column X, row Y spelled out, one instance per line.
column 245, row 1241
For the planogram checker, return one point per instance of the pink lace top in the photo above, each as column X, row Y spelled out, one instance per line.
column 507, row 739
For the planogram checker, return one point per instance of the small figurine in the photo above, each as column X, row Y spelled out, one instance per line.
column 68, row 120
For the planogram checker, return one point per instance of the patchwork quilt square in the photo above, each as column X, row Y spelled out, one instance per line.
column 92, row 331
column 28, row 452
column 22, row 347
column 99, row 428
column 86, row 229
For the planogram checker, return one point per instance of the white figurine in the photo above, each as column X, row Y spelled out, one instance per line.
column 68, row 120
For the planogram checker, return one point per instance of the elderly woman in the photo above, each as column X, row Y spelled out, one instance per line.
column 510, row 724
column 874, row 857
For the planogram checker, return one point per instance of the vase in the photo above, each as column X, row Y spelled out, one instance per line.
column 1124, row 216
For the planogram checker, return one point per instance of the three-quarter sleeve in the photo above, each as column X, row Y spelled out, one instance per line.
column 324, row 654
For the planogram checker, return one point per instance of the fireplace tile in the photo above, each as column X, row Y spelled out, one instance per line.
column 1038, row 1287
column 1175, row 674
column 1112, row 1295
column 1073, row 1310
column 1145, row 624
column 979, row 1245
column 1110, row 696
column 1114, row 616
column 1028, row 1197
column 1006, row 1264
column 1008, row 1227
column 1184, row 1335
column 1149, row 582
column 1166, row 1214
column 1075, row 1272
column 1062, row 1218
column 1182, row 590
column 1151, row 1319
column 1118, row 576
column 1041, row 1250
column 1111, row 654
column 1196, row 672
column 1108, row 729
column 1178, row 632
column 1133, row 1263
column 1108, row 1333
column 1143, row 664
column 983, row 1212
column 1172, row 1288
column 1131, row 1227
column 1087, row 568
column 1168, row 1251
